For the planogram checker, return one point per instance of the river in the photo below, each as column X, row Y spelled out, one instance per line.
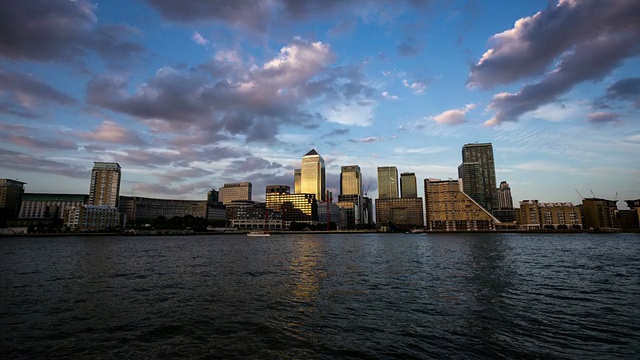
column 352, row 296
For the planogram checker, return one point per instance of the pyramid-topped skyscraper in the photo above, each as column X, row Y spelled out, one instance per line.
column 312, row 175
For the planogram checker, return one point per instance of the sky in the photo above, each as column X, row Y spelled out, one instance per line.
column 188, row 96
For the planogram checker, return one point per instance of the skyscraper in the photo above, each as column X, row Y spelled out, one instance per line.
column 408, row 185
column 350, row 180
column 387, row 182
column 235, row 191
column 505, row 201
column 105, row 184
column 297, row 175
column 478, row 174
column 312, row 177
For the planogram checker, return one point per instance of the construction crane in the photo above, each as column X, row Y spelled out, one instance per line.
column 366, row 191
column 581, row 197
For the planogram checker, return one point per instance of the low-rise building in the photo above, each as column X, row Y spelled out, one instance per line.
column 534, row 215
column 49, row 206
column 145, row 209
column 599, row 213
column 250, row 215
column 629, row 219
column 293, row 207
column 403, row 213
column 92, row 218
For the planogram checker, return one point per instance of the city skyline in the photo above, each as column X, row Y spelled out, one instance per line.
column 188, row 98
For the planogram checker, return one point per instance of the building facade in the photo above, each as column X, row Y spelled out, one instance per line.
column 92, row 218
column 250, row 215
column 350, row 180
column 534, row 215
column 478, row 174
column 599, row 213
column 105, row 184
column 297, row 178
column 11, row 192
column 408, row 185
column 49, row 206
column 629, row 219
column 312, row 175
column 404, row 213
column 449, row 208
column 235, row 192
column 293, row 207
column 138, row 208
column 387, row 182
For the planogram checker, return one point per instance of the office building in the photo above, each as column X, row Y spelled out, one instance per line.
column 297, row 176
column 402, row 213
column 350, row 180
column 449, row 208
column 105, row 184
column 49, row 206
column 478, row 174
column 313, row 178
column 387, row 182
column 235, row 191
column 504, row 207
column 534, row 215
column 599, row 213
column 11, row 192
column 408, row 185
column 251, row 215
column 293, row 207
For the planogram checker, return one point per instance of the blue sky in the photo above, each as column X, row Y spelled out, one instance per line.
column 187, row 96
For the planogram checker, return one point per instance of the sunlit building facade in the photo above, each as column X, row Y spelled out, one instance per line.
column 312, row 175
column 105, row 184
column 403, row 213
column 293, row 207
column 387, row 182
column 599, row 213
column 449, row 208
column 408, row 185
column 534, row 215
column 235, row 191
column 297, row 178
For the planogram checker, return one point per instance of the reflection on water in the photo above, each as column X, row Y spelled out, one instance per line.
column 322, row 296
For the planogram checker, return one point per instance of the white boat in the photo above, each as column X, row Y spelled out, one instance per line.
column 258, row 233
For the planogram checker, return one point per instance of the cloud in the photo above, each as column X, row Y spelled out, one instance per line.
column 31, row 163
column 184, row 174
column 633, row 138
column 228, row 98
column 199, row 39
column 368, row 139
column 386, row 95
column 583, row 40
column 622, row 90
column 455, row 116
column 417, row 87
column 251, row 163
column 111, row 132
column 543, row 166
column 603, row 117
column 22, row 94
column 40, row 143
column 409, row 47
column 62, row 30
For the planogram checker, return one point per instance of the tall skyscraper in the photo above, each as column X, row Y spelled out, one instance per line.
column 505, row 201
column 350, row 180
column 235, row 191
column 312, row 177
column 105, row 184
column 297, row 176
column 478, row 174
column 387, row 182
column 408, row 185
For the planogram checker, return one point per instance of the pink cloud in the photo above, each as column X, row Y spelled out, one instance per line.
column 111, row 132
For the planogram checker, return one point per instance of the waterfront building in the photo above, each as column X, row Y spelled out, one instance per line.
column 293, row 207
column 235, row 191
column 504, row 206
column 599, row 213
column 350, row 180
column 49, row 206
column 251, row 215
column 478, row 174
column 92, row 218
column 105, row 184
column 408, row 185
column 350, row 199
column 387, row 182
column 449, row 208
column 139, row 209
column 297, row 178
column 404, row 213
column 11, row 192
column 534, row 215
column 629, row 219
column 312, row 176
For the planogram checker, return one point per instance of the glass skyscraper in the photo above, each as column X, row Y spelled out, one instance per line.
column 387, row 182
column 478, row 174
column 312, row 177
column 350, row 180
column 408, row 185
